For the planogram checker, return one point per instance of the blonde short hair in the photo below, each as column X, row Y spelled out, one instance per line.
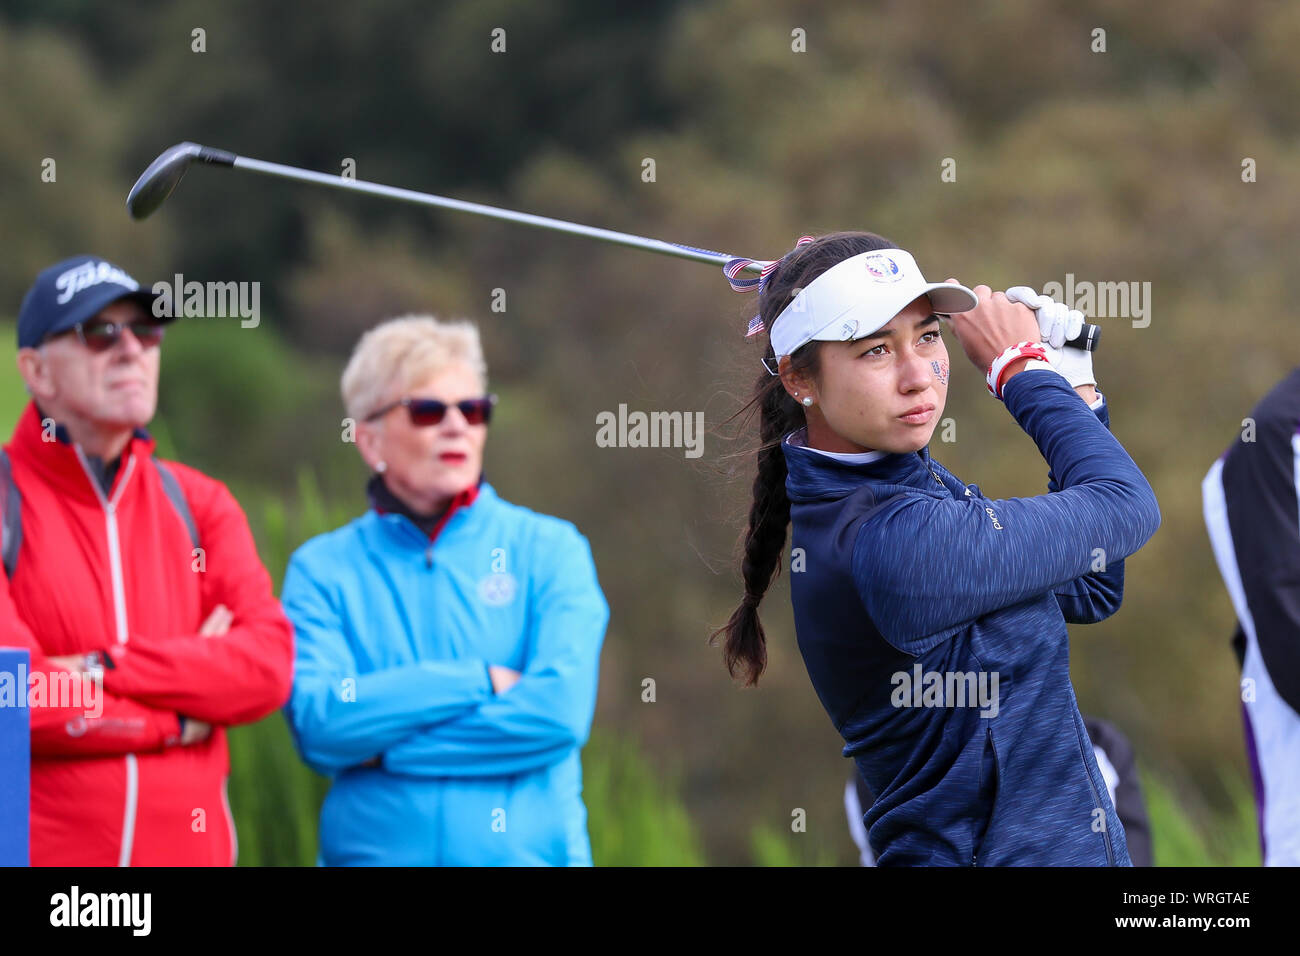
column 399, row 354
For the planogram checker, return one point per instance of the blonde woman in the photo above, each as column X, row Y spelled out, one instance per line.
column 448, row 641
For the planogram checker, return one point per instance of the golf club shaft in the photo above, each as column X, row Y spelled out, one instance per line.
column 523, row 218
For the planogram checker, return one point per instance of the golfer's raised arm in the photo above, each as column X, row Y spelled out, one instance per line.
column 1097, row 595
column 965, row 558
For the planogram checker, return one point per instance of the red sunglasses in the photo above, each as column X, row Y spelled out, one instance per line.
column 430, row 411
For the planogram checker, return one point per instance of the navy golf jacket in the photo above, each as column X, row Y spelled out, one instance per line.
column 911, row 589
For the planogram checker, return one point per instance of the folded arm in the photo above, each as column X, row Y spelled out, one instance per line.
column 240, row 676
column 341, row 718
column 71, row 715
column 548, row 712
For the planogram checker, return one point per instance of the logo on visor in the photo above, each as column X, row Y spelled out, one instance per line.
column 848, row 330
column 882, row 268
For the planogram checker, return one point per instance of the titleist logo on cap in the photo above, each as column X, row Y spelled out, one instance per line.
column 91, row 274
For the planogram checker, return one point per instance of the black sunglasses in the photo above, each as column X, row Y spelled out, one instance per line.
column 102, row 336
column 430, row 411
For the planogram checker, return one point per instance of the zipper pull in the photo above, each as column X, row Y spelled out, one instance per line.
column 428, row 556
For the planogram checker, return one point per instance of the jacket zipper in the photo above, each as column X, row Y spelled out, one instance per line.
column 128, row 813
column 123, row 632
column 1096, row 802
column 997, row 786
column 114, row 542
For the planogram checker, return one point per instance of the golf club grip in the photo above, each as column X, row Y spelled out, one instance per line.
column 1088, row 339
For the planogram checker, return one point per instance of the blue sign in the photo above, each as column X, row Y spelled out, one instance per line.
column 15, row 757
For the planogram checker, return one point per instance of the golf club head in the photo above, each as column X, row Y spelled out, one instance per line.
column 157, row 182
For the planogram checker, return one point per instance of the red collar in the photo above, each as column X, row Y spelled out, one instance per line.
column 379, row 495
column 463, row 499
column 56, row 461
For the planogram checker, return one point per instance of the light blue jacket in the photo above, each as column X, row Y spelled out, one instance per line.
column 395, row 635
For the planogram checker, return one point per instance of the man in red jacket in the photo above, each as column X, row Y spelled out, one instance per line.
column 141, row 575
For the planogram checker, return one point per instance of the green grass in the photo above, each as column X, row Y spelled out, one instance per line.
column 1194, row 836
column 772, row 847
column 274, row 797
column 13, row 397
column 634, row 816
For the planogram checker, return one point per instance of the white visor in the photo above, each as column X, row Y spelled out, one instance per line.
column 859, row 296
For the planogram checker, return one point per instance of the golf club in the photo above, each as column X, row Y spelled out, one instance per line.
column 161, row 177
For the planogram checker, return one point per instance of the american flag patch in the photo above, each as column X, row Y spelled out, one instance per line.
column 737, row 265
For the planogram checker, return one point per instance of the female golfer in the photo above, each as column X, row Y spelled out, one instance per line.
column 447, row 640
column 932, row 619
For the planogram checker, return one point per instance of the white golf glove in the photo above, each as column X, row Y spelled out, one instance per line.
column 1057, row 324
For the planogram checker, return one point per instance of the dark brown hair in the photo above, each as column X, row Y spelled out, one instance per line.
column 763, row 543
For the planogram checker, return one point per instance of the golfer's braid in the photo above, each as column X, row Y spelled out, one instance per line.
column 769, row 516
column 745, row 651
column 770, row 512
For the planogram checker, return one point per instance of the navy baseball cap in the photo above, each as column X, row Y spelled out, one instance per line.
column 73, row 291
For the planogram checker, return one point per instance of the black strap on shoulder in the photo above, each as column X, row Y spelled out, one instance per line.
column 11, row 518
column 176, row 496
column 11, row 522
